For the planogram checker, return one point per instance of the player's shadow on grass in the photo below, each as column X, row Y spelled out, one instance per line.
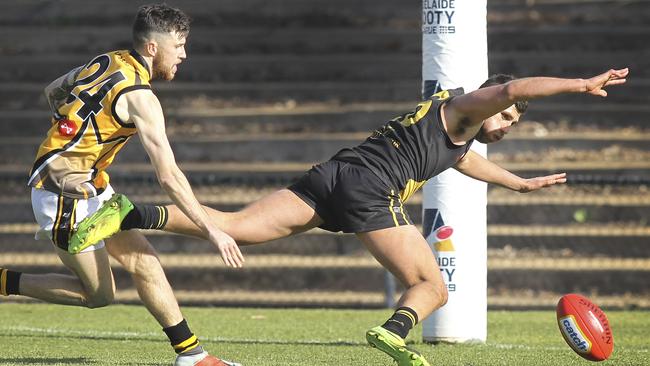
column 45, row 361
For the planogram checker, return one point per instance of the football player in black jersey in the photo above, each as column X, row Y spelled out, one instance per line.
column 362, row 190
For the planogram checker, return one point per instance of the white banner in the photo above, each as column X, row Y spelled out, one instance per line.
column 454, row 54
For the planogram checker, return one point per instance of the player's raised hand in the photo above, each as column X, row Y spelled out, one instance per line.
column 533, row 184
column 228, row 248
column 596, row 84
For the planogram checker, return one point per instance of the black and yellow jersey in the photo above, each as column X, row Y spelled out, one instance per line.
column 410, row 149
column 86, row 132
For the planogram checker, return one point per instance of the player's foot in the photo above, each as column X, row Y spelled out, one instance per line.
column 393, row 345
column 202, row 359
column 100, row 225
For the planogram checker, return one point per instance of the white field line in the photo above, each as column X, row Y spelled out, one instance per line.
column 553, row 348
column 94, row 334
column 374, row 298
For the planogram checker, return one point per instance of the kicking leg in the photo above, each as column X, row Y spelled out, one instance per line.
column 405, row 253
column 275, row 216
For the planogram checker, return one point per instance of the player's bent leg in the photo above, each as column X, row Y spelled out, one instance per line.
column 102, row 224
column 406, row 254
column 93, row 286
column 275, row 216
column 138, row 257
column 94, row 270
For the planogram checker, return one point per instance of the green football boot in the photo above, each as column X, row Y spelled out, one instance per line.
column 100, row 225
column 394, row 346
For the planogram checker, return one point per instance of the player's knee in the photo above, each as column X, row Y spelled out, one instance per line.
column 438, row 290
column 442, row 294
column 141, row 262
column 147, row 266
column 100, row 299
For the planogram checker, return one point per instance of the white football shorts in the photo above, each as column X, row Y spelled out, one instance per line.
column 57, row 215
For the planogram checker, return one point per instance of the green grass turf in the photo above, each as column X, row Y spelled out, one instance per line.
column 38, row 334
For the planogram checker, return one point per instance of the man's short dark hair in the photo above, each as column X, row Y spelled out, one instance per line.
column 159, row 18
column 497, row 79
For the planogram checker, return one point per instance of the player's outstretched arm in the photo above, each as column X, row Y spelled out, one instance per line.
column 477, row 167
column 472, row 108
column 144, row 110
column 539, row 87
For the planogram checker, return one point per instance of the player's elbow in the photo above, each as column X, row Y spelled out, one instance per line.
column 510, row 92
column 165, row 180
column 168, row 182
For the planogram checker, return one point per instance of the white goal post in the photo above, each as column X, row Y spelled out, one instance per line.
column 454, row 54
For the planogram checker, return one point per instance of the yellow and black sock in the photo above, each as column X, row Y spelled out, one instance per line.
column 402, row 321
column 9, row 282
column 182, row 339
column 145, row 217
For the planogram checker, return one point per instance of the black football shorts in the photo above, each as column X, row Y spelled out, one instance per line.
column 350, row 198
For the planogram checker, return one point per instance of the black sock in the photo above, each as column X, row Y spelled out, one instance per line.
column 145, row 217
column 9, row 282
column 402, row 321
column 182, row 339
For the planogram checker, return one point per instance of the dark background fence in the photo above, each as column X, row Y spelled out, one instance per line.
column 269, row 88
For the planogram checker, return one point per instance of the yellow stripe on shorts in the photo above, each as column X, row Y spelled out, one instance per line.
column 390, row 207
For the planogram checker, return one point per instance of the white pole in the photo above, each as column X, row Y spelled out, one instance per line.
column 454, row 54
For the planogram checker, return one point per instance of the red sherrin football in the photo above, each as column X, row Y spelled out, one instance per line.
column 585, row 327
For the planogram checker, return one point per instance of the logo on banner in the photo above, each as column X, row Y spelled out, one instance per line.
column 435, row 224
column 443, row 235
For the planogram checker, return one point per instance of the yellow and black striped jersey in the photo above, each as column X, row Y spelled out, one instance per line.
column 410, row 149
column 86, row 132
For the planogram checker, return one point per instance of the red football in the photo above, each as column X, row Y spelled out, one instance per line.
column 585, row 327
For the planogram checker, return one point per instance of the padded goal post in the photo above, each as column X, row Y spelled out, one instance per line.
column 454, row 54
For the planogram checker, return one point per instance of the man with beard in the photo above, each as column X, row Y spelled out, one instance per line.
column 96, row 108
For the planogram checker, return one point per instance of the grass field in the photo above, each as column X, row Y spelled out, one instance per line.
column 38, row 334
